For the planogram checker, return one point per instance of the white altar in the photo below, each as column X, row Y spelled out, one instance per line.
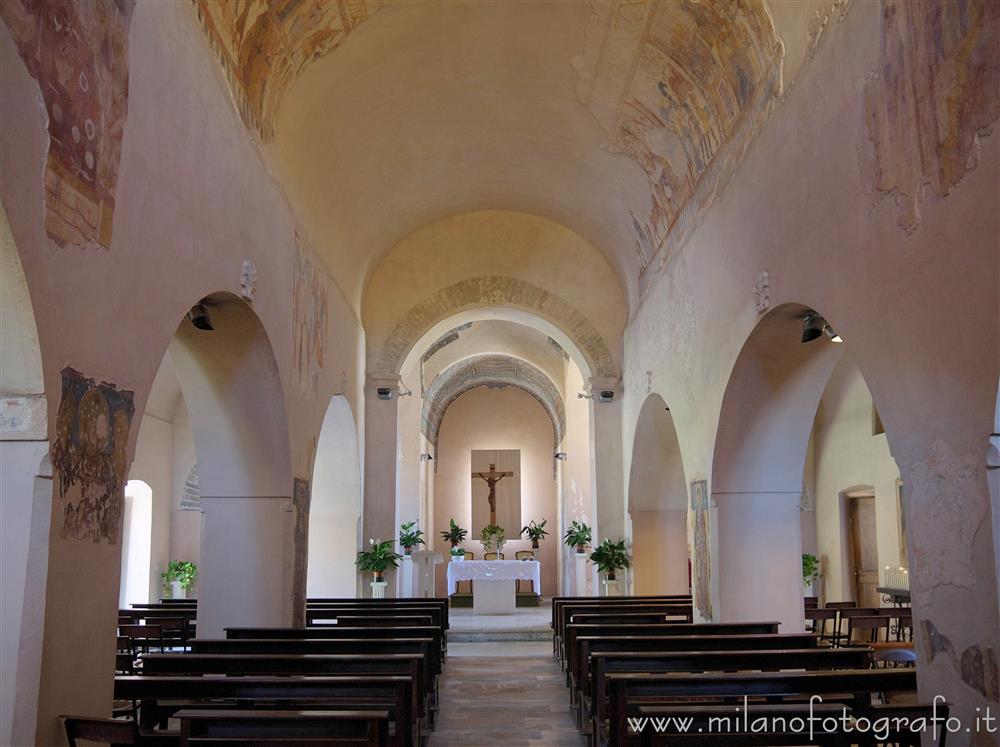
column 494, row 582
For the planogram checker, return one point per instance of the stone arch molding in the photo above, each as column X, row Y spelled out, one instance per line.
column 494, row 290
column 492, row 371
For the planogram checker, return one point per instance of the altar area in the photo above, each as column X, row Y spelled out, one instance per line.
column 492, row 585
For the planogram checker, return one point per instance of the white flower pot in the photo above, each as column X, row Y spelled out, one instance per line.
column 177, row 591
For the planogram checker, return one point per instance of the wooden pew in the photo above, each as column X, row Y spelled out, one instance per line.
column 358, row 620
column 559, row 602
column 604, row 664
column 322, row 612
column 589, row 645
column 571, row 611
column 573, row 630
column 627, row 691
column 441, row 602
column 408, row 665
column 267, row 728
column 343, row 631
column 161, row 696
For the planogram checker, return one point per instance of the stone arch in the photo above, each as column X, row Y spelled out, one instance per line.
column 25, row 495
column 335, row 505
column 232, row 388
column 493, row 371
column 657, row 503
column 494, row 290
column 767, row 414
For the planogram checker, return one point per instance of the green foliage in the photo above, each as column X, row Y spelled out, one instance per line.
column 492, row 537
column 455, row 534
column 535, row 531
column 379, row 557
column 810, row 568
column 577, row 535
column 456, row 551
column 609, row 556
column 183, row 571
column 410, row 537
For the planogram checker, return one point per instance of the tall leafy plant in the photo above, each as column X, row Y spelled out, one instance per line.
column 536, row 532
column 378, row 558
column 454, row 535
column 610, row 556
column 183, row 571
column 578, row 535
column 409, row 536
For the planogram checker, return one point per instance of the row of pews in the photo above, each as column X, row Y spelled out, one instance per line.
column 363, row 672
column 639, row 672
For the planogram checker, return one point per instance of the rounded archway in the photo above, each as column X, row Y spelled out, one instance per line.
column 230, row 382
column 335, row 505
column 657, row 503
column 137, row 537
column 761, row 445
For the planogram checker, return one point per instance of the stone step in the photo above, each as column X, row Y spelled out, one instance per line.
column 477, row 635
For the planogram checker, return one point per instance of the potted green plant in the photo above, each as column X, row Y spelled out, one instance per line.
column 457, row 553
column 179, row 578
column 609, row 556
column 536, row 532
column 492, row 538
column 409, row 537
column 455, row 534
column 377, row 559
column 810, row 571
column 578, row 536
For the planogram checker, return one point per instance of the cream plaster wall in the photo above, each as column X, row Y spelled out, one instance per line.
column 577, row 472
column 497, row 419
column 848, row 456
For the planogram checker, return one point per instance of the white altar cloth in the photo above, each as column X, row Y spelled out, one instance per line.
column 494, row 570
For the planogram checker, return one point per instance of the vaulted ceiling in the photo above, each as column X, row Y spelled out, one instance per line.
column 620, row 119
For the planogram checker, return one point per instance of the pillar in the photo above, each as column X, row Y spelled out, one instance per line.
column 381, row 443
column 608, row 475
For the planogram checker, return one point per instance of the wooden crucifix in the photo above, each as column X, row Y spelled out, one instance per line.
column 492, row 478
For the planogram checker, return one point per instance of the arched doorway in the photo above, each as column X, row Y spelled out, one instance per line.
column 657, row 504
column 335, row 506
column 761, row 445
column 235, row 401
column 137, row 537
column 25, row 497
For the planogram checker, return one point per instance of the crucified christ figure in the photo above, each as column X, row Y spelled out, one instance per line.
column 492, row 478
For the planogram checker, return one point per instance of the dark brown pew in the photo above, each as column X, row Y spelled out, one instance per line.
column 627, row 691
column 343, row 631
column 162, row 696
column 573, row 630
column 604, row 664
column 360, row 620
column 559, row 603
column 409, row 665
column 571, row 612
column 267, row 728
column 323, row 612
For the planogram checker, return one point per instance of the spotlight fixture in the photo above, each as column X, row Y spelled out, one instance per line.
column 384, row 392
column 812, row 326
column 561, row 456
column 584, row 395
column 834, row 337
column 425, row 457
column 198, row 316
column 607, row 395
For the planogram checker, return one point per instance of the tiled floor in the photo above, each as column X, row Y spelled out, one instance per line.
column 514, row 699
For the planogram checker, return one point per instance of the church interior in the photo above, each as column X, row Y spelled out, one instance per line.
column 499, row 372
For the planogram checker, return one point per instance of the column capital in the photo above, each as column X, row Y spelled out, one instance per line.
column 598, row 384
column 374, row 381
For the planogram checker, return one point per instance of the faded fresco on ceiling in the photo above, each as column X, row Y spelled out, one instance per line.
column 264, row 45
column 701, row 548
column 681, row 88
column 310, row 312
column 934, row 94
column 77, row 50
column 90, row 457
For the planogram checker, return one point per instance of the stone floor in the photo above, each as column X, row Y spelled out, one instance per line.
column 508, row 694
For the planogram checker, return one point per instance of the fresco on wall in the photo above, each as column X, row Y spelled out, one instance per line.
column 90, row 457
column 264, row 45
column 77, row 50
column 934, row 94
column 680, row 88
column 191, row 492
column 301, row 499
column 310, row 312
column 701, row 548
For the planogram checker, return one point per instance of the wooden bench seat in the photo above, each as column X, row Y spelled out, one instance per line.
column 267, row 727
column 162, row 696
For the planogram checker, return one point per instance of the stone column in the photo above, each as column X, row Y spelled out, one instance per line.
column 245, row 551
column 609, row 481
column 760, row 557
column 381, row 446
